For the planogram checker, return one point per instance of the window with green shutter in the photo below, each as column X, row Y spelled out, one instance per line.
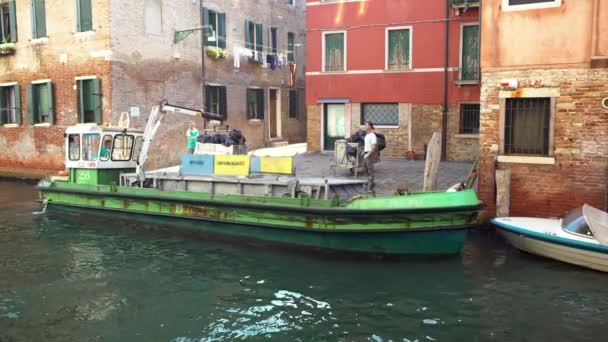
column 8, row 22
column 10, row 105
column 89, row 101
column 469, row 68
column 215, row 100
column 40, row 103
column 85, row 15
column 274, row 43
column 254, row 36
column 399, row 54
column 255, row 104
column 335, row 57
column 291, row 46
column 215, row 35
column 38, row 19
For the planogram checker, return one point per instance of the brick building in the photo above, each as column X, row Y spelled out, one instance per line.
column 386, row 61
column 549, row 124
column 87, row 61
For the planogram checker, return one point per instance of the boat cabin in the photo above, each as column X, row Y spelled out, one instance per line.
column 97, row 155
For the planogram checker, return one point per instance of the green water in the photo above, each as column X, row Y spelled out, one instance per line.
column 77, row 277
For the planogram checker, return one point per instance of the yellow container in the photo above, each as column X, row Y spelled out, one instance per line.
column 232, row 165
column 280, row 165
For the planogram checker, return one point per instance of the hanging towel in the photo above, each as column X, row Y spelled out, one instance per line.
column 237, row 57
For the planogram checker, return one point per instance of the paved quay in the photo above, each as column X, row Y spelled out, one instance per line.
column 391, row 173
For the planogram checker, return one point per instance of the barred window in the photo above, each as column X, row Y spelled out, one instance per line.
column 381, row 114
column 527, row 123
column 469, row 118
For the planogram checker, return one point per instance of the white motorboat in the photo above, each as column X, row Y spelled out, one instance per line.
column 581, row 238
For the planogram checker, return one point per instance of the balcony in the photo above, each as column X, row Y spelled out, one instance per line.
column 7, row 49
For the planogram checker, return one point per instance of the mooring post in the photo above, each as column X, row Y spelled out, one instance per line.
column 503, row 191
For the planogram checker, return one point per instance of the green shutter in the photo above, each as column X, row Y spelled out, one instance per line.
column 97, row 103
column 221, row 34
column 85, row 15
column 259, row 37
column 80, row 100
column 260, row 93
column 206, row 21
column 39, row 19
column 3, row 106
column 334, row 52
column 207, row 106
column 470, row 52
column 223, row 103
column 17, row 90
column 12, row 12
column 248, row 43
column 30, row 103
column 290, row 47
column 51, row 102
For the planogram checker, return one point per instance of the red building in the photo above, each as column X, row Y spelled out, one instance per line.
column 385, row 61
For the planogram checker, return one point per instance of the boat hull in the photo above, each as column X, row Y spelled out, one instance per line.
column 379, row 230
column 556, row 249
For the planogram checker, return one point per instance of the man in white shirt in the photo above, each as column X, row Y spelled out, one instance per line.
column 370, row 154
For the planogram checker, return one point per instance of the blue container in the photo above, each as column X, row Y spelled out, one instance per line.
column 256, row 164
column 197, row 164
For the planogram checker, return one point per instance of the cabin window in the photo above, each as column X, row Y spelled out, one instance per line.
column 334, row 52
column 398, row 55
column 139, row 144
column 74, row 146
column 469, row 118
column 106, row 148
column 90, row 146
column 123, row 146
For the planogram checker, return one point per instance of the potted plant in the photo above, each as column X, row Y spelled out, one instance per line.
column 216, row 53
column 6, row 48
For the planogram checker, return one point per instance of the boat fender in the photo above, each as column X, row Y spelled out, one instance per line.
column 456, row 187
column 63, row 173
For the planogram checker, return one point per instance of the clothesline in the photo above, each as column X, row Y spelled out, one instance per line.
column 264, row 47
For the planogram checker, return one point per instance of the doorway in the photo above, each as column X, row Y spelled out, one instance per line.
column 333, row 124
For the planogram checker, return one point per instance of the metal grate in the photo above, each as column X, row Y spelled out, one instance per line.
column 381, row 114
column 527, row 126
column 469, row 118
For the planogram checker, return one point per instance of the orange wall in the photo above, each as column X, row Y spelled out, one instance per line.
column 561, row 35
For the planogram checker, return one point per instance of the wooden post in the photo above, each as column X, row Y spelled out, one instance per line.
column 503, row 192
column 433, row 158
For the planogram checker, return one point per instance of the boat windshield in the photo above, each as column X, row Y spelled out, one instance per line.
column 575, row 223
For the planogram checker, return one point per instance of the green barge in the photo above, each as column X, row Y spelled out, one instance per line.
column 105, row 175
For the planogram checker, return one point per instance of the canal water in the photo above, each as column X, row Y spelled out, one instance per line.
column 78, row 277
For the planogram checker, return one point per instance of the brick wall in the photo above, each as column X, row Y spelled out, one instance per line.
column 426, row 120
column 60, row 57
column 313, row 133
column 460, row 147
column 580, row 172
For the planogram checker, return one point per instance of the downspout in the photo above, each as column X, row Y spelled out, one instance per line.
column 595, row 28
column 444, row 121
column 203, row 41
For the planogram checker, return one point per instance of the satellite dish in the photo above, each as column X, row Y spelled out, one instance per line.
column 124, row 120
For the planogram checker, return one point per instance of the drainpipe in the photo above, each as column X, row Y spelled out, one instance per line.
column 200, row 11
column 595, row 27
column 444, row 123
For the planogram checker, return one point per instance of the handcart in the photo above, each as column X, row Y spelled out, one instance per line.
column 343, row 159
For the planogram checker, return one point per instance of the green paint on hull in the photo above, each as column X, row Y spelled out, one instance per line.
column 425, row 223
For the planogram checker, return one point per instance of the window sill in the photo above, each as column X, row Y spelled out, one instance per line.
column 527, row 160
column 398, row 70
column 84, row 34
column 39, row 41
column 334, row 72
column 466, row 82
column 10, row 125
column 45, row 124
column 467, row 136
column 387, row 126
column 255, row 120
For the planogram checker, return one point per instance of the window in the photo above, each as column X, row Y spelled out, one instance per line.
column 218, row 23
column 469, row 118
column 398, row 49
column 293, row 104
column 85, row 15
column 527, row 122
column 334, row 53
column 10, row 105
column 123, row 146
column 40, row 103
column 74, row 146
column 254, row 36
column 106, row 148
column 381, row 114
column 291, row 2
column 215, row 100
column 291, row 46
column 8, row 22
column 38, row 19
column 89, row 101
column 519, row 5
column 274, row 40
column 139, row 144
column 90, row 146
column 469, row 52
column 255, row 104
column 153, row 16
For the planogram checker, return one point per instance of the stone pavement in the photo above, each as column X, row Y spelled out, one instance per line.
column 390, row 172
